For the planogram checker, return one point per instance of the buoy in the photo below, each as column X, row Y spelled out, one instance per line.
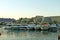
column 0, row 34
column 58, row 37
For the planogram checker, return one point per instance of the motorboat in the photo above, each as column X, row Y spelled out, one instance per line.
column 53, row 27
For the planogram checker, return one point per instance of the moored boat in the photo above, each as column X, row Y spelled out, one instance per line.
column 53, row 28
column 45, row 26
column 15, row 27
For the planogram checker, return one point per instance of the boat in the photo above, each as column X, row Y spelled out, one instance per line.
column 38, row 27
column 53, row 28
column 20, row 27
column 31, row 27
column 45, row 26
column 58, row 27
column 15, row 27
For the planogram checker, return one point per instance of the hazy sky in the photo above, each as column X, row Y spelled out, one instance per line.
column 29, row 8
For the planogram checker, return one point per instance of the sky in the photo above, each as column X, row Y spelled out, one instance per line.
column 29, row 8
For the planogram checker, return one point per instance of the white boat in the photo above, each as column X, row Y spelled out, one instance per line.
column 45, row 26
column 15, row 27
column 53, row 27
column 31, row 26
column 19, row 26
column 38, row 27
column 58, row 26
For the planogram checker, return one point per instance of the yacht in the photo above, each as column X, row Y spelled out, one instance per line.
column 53, row 27
column 20, row 27
column 45, row 26
column 15, row 27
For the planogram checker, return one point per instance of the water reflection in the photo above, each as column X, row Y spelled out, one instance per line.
column 28, row 35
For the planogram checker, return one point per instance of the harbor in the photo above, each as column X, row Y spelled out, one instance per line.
column 44, row 27
column 37, row 28
column 36, row 23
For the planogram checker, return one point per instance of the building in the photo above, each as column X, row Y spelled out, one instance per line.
column 7, row 20
column 55, row 19
column 47, row 19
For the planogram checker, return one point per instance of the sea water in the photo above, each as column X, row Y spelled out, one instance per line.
column 28, row 35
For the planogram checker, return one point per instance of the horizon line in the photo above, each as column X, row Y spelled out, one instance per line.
column 24, row 17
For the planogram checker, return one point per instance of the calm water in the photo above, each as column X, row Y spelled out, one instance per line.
column 28, row 35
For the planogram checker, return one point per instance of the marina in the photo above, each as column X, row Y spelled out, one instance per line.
column 31, row 31
column 51, row 27
column 44, row 31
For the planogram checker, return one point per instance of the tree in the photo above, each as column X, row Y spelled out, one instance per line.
column 55, row 22
column 19, row 20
